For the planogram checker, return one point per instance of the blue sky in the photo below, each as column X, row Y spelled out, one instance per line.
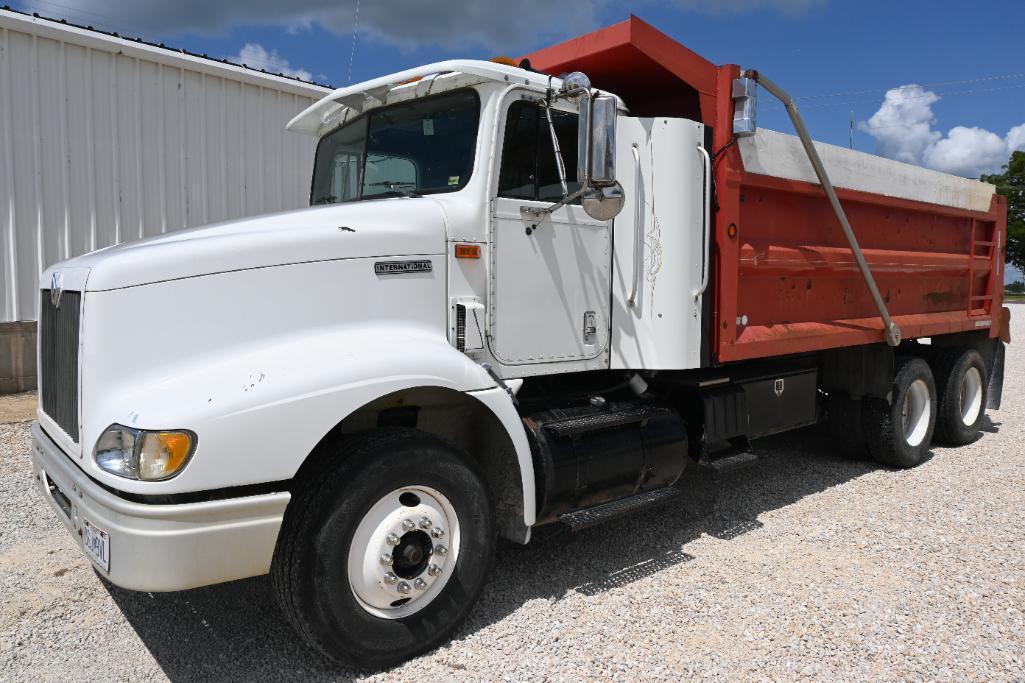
column 968, row 58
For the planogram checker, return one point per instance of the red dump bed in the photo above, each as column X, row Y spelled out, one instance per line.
column 786, row 281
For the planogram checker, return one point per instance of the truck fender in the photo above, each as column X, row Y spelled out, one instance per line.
column 260, row 410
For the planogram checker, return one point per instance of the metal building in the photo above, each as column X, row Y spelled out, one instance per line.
column 105, row 139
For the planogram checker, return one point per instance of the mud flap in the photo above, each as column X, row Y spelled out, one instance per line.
column 996, row 378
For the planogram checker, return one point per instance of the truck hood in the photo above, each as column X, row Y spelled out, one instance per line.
column 380, row 227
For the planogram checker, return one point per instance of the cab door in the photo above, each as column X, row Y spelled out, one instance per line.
column 550, row 274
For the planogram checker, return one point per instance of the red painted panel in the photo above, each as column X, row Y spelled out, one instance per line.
column 654, row 74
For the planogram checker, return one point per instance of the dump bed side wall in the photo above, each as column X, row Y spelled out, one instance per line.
column 787, row 282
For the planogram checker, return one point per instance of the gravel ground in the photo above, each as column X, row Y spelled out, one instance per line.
column 809, row 567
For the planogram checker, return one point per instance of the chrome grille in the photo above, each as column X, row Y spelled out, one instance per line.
column 58, row 359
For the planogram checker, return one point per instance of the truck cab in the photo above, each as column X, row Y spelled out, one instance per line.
column 500, row 310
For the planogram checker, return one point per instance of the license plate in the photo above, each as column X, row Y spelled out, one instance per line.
column 97, row 544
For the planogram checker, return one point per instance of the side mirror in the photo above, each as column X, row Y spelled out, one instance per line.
column 600, row 194
column 596, row 142
column 596, row 159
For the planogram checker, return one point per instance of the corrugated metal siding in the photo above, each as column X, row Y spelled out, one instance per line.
column 103, row 142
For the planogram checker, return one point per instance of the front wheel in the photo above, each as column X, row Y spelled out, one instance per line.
column 385, row 550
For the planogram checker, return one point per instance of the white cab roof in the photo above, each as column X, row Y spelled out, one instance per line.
column 415, row 82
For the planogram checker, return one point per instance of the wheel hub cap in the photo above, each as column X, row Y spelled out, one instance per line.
column 403, row 552
column 971, row 396
column 411, row 554
column 916, row 412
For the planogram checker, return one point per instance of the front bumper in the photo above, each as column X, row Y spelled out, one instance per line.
column 161, row 547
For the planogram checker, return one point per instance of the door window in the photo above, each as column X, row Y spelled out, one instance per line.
column 528, row 168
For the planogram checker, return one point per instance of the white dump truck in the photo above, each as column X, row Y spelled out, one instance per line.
column 514, row 301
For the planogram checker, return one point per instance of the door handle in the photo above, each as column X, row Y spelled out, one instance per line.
column 706, row 227
column 638, row 227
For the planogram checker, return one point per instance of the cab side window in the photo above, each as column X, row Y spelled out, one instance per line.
column 528, row 168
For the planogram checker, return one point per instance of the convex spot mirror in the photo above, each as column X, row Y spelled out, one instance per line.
column 603, row 203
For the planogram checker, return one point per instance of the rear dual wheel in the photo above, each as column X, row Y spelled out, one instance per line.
column 945, row 398
column 898, row 432
column 961, row 390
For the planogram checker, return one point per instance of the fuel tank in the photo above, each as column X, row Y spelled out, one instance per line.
column 591, row 454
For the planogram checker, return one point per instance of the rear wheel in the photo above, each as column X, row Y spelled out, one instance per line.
column 898, row 432
column 961, row 383
column 384, row 551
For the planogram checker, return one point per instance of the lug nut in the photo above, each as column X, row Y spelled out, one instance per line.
column 387, row 560
column 408, row 525
column 441, row 550
column 425, row 523
column 403, row 587
column 420, row 584
column 434, row 570
column 392, row 539
column 391, row 579
column 437, row 532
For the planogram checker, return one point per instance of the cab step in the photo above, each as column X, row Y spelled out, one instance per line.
column 733, row 462
column 593, row 422
column 599, row 514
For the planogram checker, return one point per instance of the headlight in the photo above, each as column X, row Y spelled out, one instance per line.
column 142, row 454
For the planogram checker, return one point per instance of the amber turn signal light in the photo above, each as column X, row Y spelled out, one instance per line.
column 467, row 251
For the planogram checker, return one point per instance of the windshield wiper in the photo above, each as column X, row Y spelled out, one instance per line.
column 393, row 186
column 395, row 192
column 326, row 199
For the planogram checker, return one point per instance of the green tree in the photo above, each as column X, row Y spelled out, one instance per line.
column 1011, row 184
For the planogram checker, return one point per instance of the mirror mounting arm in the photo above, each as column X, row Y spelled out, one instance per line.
column 541, row 212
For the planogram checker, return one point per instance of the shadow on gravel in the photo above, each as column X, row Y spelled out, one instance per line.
column 988, row 426
column 235, row 631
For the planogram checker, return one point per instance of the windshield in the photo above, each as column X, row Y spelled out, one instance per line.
column 409, row 148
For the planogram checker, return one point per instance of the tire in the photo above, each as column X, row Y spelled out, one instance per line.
column 844, row 421
column 898, row 432
column 961, row 388
column 336, row 532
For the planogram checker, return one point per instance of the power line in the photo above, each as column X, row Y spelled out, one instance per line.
column 86, row 17
column 940, row 84
column 352, row 55
column 953, row 93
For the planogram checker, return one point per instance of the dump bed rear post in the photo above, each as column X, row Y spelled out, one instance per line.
column 727, row 216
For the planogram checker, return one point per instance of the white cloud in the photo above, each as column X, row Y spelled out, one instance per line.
column 967, row 151
column 903, row 128
column 494, row 26
column 257, row 57
column 510, row 27
column 1016, row 138
column 903, row 125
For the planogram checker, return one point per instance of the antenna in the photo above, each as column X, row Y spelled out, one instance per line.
column 851, row 143
column 352, row 55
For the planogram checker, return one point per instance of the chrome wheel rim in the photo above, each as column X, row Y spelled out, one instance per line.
column 403, row 552
column 915, row 412
column 970, row 396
